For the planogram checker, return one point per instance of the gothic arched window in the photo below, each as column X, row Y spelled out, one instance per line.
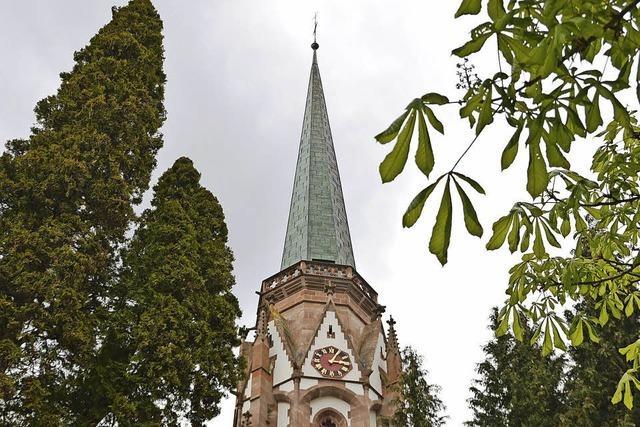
column 329, row 418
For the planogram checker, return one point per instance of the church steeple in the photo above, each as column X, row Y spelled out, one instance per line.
column 317, row 227
column 319, row 355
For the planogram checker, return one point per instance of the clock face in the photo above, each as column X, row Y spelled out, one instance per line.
column 331, row 362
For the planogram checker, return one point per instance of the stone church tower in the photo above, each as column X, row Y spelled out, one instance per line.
column 320, row 357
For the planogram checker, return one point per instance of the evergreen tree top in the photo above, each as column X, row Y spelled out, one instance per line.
column 180, row 178
column 66, row 202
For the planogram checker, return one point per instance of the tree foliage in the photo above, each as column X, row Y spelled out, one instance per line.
column 515, row 386
column 593, row 375
column 87, row 335
column 562, row 74
column 174, row 331
column 418, row 404
column 66, row 200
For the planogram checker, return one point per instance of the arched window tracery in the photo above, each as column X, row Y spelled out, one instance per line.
column 330, row 418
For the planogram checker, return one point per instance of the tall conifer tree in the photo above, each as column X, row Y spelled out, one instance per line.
column 176, row 314
column 418, row 404
column 516, row 386
column 66, row 200
column 594, row 374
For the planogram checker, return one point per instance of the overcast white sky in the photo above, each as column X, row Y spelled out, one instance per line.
column 237, row 75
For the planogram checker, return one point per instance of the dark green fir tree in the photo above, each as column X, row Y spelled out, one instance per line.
column 595, row 371
column 176, row 314
column 516, row 386
column 418, row 403
column 66, row 200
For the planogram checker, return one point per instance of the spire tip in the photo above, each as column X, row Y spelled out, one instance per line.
column 315, row 44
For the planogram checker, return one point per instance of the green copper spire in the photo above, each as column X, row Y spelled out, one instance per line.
column 317, row 227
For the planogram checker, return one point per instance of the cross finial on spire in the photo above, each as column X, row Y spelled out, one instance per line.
column 391, row 322
column 315, row 44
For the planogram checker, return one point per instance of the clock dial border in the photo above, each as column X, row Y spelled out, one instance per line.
column 321, row 362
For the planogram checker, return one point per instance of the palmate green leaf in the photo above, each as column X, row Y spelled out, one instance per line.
column 558, row 342
column 437, row 124
column 486, row 112
column 472, row 105
column 504, row 47
column 581, row 224
column 511, row 150
column 471, row 46
column 551, row 238
column 537, row 176
column 628, row 308
column 424, row 154
column 496, row 10
column 628, row 396
column 576, row 335
column 524, row 242
column 434, row 98
column 391, row 132
column 593, row 117
column 518, row 330
column 414, row 210
column 500, row 229
column 503, row 326
column 604, row 315
column 550, row 61
column 593, row 335
column 469, row 7
column 472, row 182
column 554, row 155
column 632, row 351
column 547, row 342
column 574, row 124
column 619, row 112
column 514, row 235
column 632, row 301
column 441, row 233
column 538, row 55
column 561, row 134
column 394, row 162
column 617, row 396
column 538, row 243
column 622, row 81
column 623, row 390
column 470, row 217
column 536, row 334
column 510, row 44
column 565, row 228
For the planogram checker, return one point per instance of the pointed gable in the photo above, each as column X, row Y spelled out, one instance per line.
column 331, row 333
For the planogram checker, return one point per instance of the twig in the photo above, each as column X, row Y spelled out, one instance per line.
column 613, row 202
column 464, row 153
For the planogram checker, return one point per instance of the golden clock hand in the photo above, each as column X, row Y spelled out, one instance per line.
column 341, row 362
column 333, row 360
